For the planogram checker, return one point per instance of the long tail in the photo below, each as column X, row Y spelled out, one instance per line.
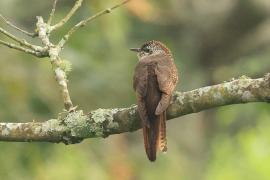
column 154, row 128
column 155, row 136
column 162, row 133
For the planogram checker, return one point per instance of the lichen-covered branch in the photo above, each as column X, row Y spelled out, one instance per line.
column 60, row 76
column 77, row 5
column 17, row 28
column 54, row 51
column 52, row 13
column 20, row 48
column 75, row 126
column 22, row 42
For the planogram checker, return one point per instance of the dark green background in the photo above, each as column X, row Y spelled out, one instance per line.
column 212, row 41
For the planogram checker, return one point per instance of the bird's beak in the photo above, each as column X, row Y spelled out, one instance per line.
column 135, row 49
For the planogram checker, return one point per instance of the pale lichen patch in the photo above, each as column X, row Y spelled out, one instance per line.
column 244, row 83
column 247, row 96
column 104, row 117
column 244, row 77
column 5, row 132
column 240, row 91
column 115, row 110
column 132, row 109
column 51, row 125
column 218, row 96
column 227, row 85
column 180, row 98
column 78, row 124
column 101, row 115
column 54, row 52
column 204, row 90
column 37, row 130
column 13, row 125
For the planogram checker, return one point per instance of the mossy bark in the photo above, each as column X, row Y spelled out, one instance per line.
column 73, row 127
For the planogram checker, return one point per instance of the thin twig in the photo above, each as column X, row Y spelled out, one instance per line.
column 22, row 42
column 52, row 12
column 20, row 48
column 17, row 28
column 76, row 6
column 84, row 22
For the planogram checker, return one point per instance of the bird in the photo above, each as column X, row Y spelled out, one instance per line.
column 154, row 80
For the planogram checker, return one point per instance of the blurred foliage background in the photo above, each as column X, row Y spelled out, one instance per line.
column 212, row 41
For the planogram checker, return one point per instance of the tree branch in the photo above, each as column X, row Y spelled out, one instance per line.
column 22, row 42
column 17, row 28
column 84, row 22
column 52, row 13
column 56, row 61
column 76, row 6
column 73, row 127
column 39, row 54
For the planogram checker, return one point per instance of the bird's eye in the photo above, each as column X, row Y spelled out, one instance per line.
column 146, row 50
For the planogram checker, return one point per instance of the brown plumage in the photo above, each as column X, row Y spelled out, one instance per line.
column 155, row 78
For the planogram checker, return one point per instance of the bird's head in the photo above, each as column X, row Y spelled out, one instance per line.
column 151, row 48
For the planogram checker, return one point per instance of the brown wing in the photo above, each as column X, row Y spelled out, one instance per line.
column 140, row 87
column 167, row 77
column 140, row 78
